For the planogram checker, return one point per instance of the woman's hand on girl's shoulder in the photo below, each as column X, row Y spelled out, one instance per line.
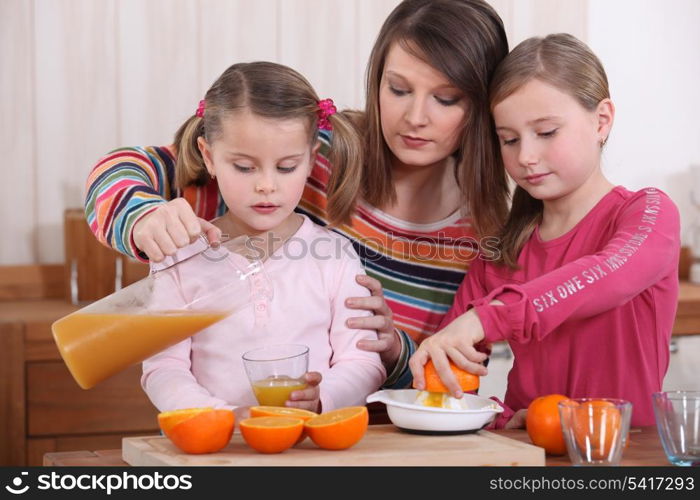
column 388, row 343
column 171, row 226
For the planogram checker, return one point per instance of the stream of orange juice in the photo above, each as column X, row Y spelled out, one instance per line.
column 97, row 346
column 275, row 391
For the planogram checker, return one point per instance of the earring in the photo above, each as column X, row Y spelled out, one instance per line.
column 603, row 141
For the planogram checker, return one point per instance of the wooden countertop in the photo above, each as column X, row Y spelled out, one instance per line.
column 688, row 313
column 644, row 450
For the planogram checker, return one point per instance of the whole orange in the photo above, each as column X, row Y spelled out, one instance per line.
column 596, row 425
column 544, row 425
column 338, row 429
column 467, row 381
column 198, row 430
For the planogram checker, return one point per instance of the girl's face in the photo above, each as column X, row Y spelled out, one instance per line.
column 550, row 143
column 422, row 113
column 261, row 166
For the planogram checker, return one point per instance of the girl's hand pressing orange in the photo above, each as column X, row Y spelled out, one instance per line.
column 455, row 342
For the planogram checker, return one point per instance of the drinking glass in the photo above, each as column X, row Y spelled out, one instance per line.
column 595, row 429
column 678, row 422
column 275, row 371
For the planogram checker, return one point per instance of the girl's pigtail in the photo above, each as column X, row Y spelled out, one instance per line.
column 347, row 157
column 189, row 167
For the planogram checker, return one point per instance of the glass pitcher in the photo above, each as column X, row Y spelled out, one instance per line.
column 197, row 287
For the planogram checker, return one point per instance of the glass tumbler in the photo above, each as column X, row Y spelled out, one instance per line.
column 678, row 422
column 595, row 429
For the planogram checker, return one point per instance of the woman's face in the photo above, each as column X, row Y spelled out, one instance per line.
column 422, row 113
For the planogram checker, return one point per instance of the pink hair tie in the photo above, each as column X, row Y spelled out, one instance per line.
column 200, row 108
column 326, row 108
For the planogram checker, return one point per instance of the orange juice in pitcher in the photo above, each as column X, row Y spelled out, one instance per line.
column 97, row 345
column 182, row 296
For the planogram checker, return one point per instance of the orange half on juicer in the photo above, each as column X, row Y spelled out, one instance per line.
column 437, row 395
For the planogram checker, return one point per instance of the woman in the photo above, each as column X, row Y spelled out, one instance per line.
column 429, row 187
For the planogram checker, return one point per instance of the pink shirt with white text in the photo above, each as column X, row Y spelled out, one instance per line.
column 590, row 313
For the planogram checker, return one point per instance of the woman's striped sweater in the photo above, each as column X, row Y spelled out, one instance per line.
column 420, row 266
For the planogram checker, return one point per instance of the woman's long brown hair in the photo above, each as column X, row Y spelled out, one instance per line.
column 465, row 40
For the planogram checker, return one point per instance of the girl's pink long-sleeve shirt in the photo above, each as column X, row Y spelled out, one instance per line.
column 590, row 313
column 311, row 274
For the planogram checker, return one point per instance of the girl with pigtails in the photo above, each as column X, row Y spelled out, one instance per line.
column 256, row 132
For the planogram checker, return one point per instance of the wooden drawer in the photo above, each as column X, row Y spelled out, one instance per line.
column 56, row 405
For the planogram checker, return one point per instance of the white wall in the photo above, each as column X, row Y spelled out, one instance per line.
column 650, row 50
column 81, row 77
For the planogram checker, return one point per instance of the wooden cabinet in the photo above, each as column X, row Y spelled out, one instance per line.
column 42, row 409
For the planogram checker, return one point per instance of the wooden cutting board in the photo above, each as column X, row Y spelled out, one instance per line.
column 382, row 445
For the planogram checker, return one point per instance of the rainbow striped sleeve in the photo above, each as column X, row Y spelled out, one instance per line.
column 128, row 183
column 124, row 185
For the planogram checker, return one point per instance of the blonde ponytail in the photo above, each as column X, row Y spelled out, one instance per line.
column 189, row 167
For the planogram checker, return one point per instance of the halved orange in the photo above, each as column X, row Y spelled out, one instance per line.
column 169, row 419
column 271, row 434
column 283, row 411
column 467, row 381
column 338, row 429
column 198, row 430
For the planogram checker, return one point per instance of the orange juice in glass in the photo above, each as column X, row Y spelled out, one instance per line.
column 276, row 371
column 196, row 288
column 275, row 391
